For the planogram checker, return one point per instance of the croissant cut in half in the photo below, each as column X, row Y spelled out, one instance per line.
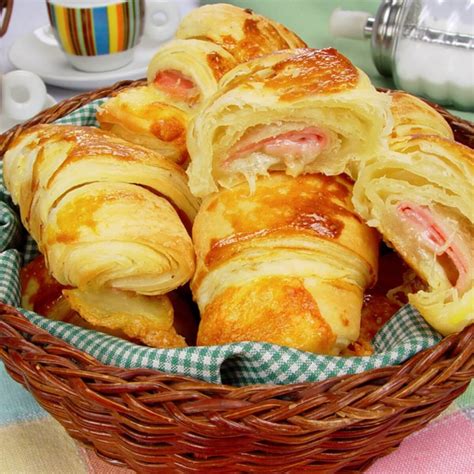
column 188, row 70
column 109, row 217
column 298, row 111
column 420, row 197
column 287, row 264
column 211, row 41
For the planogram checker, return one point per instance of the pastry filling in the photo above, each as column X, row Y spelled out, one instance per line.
column 177, row 85
column 280, row 146
column 447, row 244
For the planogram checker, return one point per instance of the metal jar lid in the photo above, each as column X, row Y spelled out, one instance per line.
column 388, row 25
column 384, row 30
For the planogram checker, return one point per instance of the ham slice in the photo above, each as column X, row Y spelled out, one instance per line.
column 176, row 85
column 438, row 239
column 300, row 144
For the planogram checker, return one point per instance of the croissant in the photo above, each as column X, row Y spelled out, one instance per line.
column 287, row 264
column 300, row 111
column 413, row 116
column 420, row 197
column 210, row 41
column 144, row 116
column 110, row 217
column 242, row 32
column 186, row 71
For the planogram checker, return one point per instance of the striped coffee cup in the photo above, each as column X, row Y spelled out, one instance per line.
column 100, row 35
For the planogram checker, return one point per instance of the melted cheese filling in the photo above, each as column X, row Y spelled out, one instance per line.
column 443, row 239
column 290, row 146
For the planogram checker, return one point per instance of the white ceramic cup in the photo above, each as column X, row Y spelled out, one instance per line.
column 101, row 35
column 23, row 95
column 161, row 19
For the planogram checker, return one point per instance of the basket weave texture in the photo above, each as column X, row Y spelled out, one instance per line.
column 153, row 421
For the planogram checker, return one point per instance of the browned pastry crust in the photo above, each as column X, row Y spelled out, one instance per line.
column 184, row 72
column 144, row 116
column 287, row 264
column 243, row 33
column 413, row 116
column 111, row 219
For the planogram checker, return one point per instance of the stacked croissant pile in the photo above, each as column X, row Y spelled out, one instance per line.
column 263, row 172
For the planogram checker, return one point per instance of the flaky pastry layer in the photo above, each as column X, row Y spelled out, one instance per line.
column 144, row 116
column 300, row 111
column 420, row 197
column 104, row 212
column 287, row 264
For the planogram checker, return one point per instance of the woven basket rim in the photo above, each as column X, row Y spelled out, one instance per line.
column 397, row 400
column 393, row 401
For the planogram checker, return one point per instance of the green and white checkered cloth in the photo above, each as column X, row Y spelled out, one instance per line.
column 237, row 364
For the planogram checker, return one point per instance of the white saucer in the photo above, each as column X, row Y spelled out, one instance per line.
column 38, row 52
column 7, row 122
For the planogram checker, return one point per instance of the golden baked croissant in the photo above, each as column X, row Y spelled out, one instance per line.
column 185, row 72
column 242, row 32
column 144, row 116
column 420, row 197
column 210, row 41
column 287, row 264
column 301, row 111
column 110, row 217
column 413, row 116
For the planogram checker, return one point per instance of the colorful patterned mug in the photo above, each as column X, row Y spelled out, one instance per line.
column 100, row 35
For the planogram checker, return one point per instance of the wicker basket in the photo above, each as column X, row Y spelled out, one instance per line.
column 153, row 421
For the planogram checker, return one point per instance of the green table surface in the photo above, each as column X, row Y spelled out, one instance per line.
column 310, row 20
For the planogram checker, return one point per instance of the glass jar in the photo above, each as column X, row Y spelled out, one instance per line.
column 426, row 45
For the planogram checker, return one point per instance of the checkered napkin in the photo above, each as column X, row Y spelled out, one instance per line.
column 238, row 364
